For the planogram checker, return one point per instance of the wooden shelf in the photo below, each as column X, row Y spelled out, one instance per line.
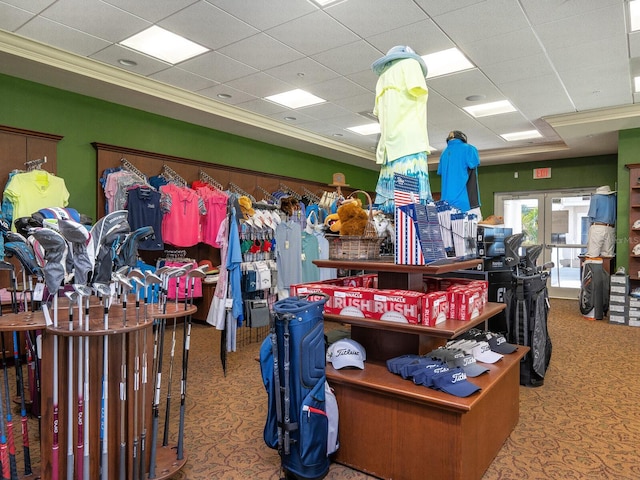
column 377, row 404
column 448, row 329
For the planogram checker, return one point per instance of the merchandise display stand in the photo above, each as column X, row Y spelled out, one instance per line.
column 413, row 431
column 118, row 332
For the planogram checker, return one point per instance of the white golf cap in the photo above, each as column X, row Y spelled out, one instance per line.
column 346, row 353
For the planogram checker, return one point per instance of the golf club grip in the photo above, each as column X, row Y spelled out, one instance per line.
column 26, row 451
column 136, row 463
column 154, row 444
column 165, row 438
column 123, row 463
column 180, row 449
column 13, row 466
column 4, row 457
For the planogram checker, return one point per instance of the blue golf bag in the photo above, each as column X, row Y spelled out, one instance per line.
column 292, row 362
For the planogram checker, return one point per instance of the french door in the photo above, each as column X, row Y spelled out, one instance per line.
column 556, row 219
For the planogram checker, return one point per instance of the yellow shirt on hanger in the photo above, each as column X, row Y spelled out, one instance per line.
column 30, row 191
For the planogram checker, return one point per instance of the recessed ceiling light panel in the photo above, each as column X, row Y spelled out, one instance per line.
column 524, row 135
column 634, row 15
column 164, row 45
column 367, row 129
column 446, row 61
column 295, row 99
column 491, row 108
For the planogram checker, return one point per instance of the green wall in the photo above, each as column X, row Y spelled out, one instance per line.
column 83, row 120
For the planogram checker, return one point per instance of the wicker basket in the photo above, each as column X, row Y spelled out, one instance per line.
column 352, row 247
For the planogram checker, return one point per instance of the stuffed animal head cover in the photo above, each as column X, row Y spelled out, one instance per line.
column 351, row 218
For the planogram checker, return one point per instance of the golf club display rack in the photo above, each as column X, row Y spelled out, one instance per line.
column 417, row 432
column 122, row 410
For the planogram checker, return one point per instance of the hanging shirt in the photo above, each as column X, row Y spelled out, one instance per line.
column 181, row 223
column 401, row 108
column 30, row 191
column 288, row 238
column 456, row 161
column 310, row 252
column 143, row 205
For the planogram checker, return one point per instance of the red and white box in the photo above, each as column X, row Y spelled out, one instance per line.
column 368, row 280
column 403, row 306
column 435, row 308
column 465, row 303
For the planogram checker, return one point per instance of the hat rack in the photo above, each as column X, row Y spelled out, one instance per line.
column 35, row 164
column 128, row 166
column 236, row 189
column 205, row 177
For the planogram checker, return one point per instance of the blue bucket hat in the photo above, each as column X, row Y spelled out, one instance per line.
column 397, row 53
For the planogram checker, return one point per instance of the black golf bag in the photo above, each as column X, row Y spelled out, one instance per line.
column 292, row 362
column 526, row 317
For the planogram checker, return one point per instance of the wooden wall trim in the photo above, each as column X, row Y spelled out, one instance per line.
column 30, row 133
column 202, row 164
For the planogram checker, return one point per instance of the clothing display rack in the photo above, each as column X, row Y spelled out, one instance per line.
column 171, row 175
column 206, row 178
column 35, row 164
column 130, row 168
column 236, row 189
column 284, row 188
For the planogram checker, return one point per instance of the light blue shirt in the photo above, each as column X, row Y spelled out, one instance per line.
column 602, row 209
column 456, row 160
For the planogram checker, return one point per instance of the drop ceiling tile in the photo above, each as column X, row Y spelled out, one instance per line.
column 603, row 51
column 519, row 69
column 207, row 25
column 336, row 88
column 182, row 79
column 456, row 87
column 151, row 10
column 60, row 36
column 506, row 122
column 583, row 28
column 482, row 20
column 365, row 78
column 262, row 107
column 597, row 86
column 543, row 11
column 349, row 59
column 324, row 111
column 293, row 117
column 302, row 73
column 260, row 52
column 538, row 96
column 145, row 65
column 366, row 19
column 11, row 18
column 237, row 96
column 260, row 85
column 217, row 67
column 32, row 6
column 438, row 7
column 423, row 37
column 501, row 48
column 106, row 22
column 265, row 15
column 303, row 33
column 357, row 103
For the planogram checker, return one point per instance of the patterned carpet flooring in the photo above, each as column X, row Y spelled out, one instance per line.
column 583, row 423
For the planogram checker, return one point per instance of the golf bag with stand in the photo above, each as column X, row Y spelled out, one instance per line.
column 292, row 362
column 527, row 310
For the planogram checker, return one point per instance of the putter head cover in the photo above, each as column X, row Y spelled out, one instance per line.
column 512, row 244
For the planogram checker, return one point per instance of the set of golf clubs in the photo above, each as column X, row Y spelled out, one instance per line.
column 124, row 281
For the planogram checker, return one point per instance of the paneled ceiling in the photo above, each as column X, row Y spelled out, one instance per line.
column 566, row 65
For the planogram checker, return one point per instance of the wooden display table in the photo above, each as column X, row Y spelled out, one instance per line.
column 394, row 429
